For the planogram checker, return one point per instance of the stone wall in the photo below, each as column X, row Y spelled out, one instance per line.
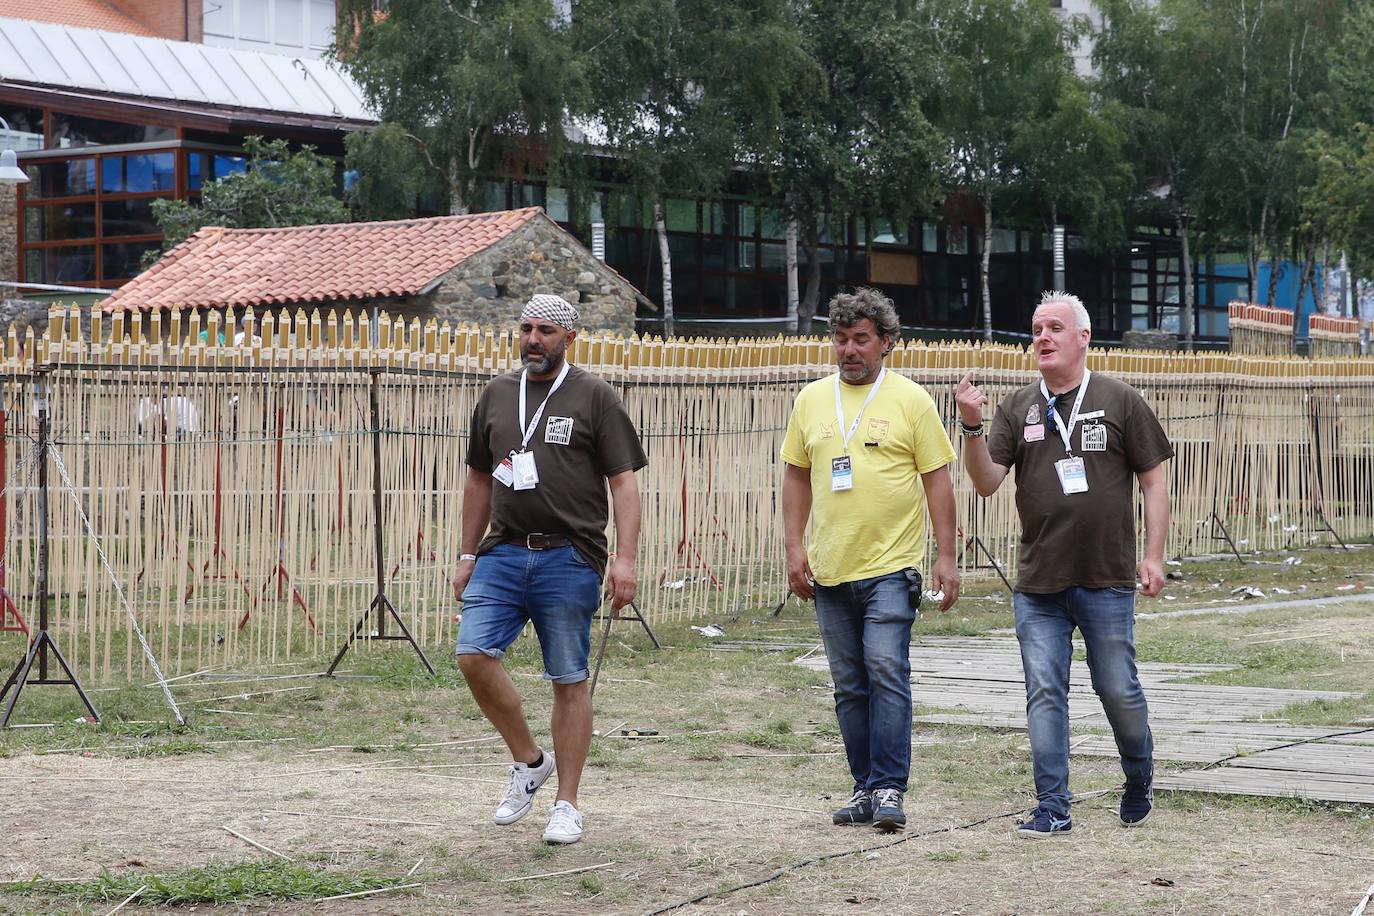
column 491, row 287
column 21, row 313
column 9, row 232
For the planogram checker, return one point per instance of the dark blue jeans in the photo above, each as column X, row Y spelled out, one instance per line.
column 866, row 628
column 1044, row 627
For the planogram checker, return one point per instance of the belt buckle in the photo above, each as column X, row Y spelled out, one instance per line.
column 537, row 541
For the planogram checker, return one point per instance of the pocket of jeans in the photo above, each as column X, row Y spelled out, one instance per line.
column 578, row 558
column 1122, row 590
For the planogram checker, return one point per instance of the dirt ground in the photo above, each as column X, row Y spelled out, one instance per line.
column 736, row 789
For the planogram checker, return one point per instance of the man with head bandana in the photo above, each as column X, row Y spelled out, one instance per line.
column 546, row 441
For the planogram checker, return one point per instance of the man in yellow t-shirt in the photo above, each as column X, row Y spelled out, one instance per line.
column 857, row 444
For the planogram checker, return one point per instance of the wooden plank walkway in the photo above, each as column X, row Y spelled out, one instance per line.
column 979, row 681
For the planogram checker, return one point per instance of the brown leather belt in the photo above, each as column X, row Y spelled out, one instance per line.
column 539, row 541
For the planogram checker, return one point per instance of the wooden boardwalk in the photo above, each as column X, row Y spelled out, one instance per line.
column 979, row 681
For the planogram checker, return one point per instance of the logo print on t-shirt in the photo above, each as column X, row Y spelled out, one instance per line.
column 1033, row 415
column 1094, row 437
column 827, row 430
column 877, row 430
column 558, row 431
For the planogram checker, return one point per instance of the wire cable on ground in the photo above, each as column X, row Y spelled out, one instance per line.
column 119, row 590
column 1279, row 747
column 816, row 860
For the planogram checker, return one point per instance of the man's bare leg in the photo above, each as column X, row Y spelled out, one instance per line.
column 572, row 735
column 500, row 702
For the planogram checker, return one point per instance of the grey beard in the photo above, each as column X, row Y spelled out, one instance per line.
column 547, row 364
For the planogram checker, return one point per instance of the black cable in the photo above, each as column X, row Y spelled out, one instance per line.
column 795, row 866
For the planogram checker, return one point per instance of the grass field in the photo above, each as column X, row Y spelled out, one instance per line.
column 386, row 779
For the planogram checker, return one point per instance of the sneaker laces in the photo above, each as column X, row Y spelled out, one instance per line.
column 858, row 798
column 563, row 817
column 883, row 798
column 515, row 789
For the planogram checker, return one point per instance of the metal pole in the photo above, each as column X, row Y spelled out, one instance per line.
column 376, row 415
column 40, row 401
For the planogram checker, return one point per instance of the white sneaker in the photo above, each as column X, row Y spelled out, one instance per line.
column 565, row 824
column 525, row 780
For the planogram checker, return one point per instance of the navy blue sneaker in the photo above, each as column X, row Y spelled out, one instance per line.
column 858, row 810
column 888, row 816
column 1137, row 801
column 1041, row 823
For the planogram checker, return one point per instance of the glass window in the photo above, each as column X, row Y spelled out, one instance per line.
column 60, row 265
column 714, row 217
column 494, row 197
column 773, row 223
column 128, row 217
column 887, row 232
column 530, row 195
column 26, row 128
column 59, row 222
column 748, row 221
column 70, row 131
column 124, row 259
column 956, row 238
column 556, row 204
column 73, row 178
column 680, row 215
column 930, row 237
column 624, row 211
column 774, row 257
column 205, row 168
column 141, row 173
column 1004, row 241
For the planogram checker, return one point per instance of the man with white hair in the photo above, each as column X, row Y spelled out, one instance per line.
column 1076, row 439
column 534, row 548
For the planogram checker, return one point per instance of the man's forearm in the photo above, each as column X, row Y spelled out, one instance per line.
column 476, row 509
column 939, row 490
column 796, row 505
column 1156, row 520
column 626, row 504
column 986, row 475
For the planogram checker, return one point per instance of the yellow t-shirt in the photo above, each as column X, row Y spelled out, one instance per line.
column 879, row 526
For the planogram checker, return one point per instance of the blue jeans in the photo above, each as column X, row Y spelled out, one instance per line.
column 866, row 628
column 555, row 589
column 1044, row 627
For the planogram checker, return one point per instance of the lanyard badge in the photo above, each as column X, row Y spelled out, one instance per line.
column 519, row 470
column 842, row 468
column 1072, row 473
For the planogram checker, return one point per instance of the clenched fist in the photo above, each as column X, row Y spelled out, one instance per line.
column 970, row 399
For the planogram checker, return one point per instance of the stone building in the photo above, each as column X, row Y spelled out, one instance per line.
column 475, row 269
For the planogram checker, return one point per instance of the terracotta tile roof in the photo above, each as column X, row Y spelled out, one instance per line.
column 226, row 268
column 85, row 14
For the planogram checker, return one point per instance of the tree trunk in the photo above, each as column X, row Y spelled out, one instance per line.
column 792, row 275
column 1273, row 292
column 1252, row 259
column 1189, row 322
column 1305, row 283
column 806, row 308
column 984, row 263
column 459, row 201
column 665, row 257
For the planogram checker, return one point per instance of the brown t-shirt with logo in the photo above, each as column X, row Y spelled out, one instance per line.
column 1084, row 540
column 584, row 436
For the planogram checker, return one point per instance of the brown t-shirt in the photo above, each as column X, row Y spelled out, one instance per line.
column 584, row 436
column 1087, row 539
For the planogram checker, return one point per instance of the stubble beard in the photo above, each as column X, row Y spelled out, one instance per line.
column 542, row 365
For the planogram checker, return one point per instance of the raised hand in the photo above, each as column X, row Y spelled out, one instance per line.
column 970, row 400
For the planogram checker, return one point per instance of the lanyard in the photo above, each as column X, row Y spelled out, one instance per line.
column 1066, row 431
column 527, row 431
column 839, row 407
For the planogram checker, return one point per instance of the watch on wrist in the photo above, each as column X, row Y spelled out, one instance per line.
column 467, row 556
column 970, row 432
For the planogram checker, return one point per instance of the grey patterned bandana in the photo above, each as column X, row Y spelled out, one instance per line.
column 551, row 308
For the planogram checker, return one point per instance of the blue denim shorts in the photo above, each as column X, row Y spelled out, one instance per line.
column 555, row 589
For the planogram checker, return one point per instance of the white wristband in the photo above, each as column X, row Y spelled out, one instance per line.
column 466, row 556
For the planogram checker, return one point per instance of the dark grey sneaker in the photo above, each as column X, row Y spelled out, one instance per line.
column 1137, row 801
column 1040, row 824
column 888, row 816
column 858, row 810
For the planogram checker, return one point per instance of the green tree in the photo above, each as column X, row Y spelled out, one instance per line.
column 1006, row 62
column 279, row 188
column 854, row 135
column 474, row 85
column 666, row 76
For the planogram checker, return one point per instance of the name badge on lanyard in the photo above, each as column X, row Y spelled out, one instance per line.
column 523, row 473
column 842, row 468
column 1072, row 473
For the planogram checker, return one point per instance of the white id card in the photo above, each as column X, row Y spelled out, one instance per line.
column 526, row 474
column 841, row 473
column 504, row 473
column 1073, row 477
